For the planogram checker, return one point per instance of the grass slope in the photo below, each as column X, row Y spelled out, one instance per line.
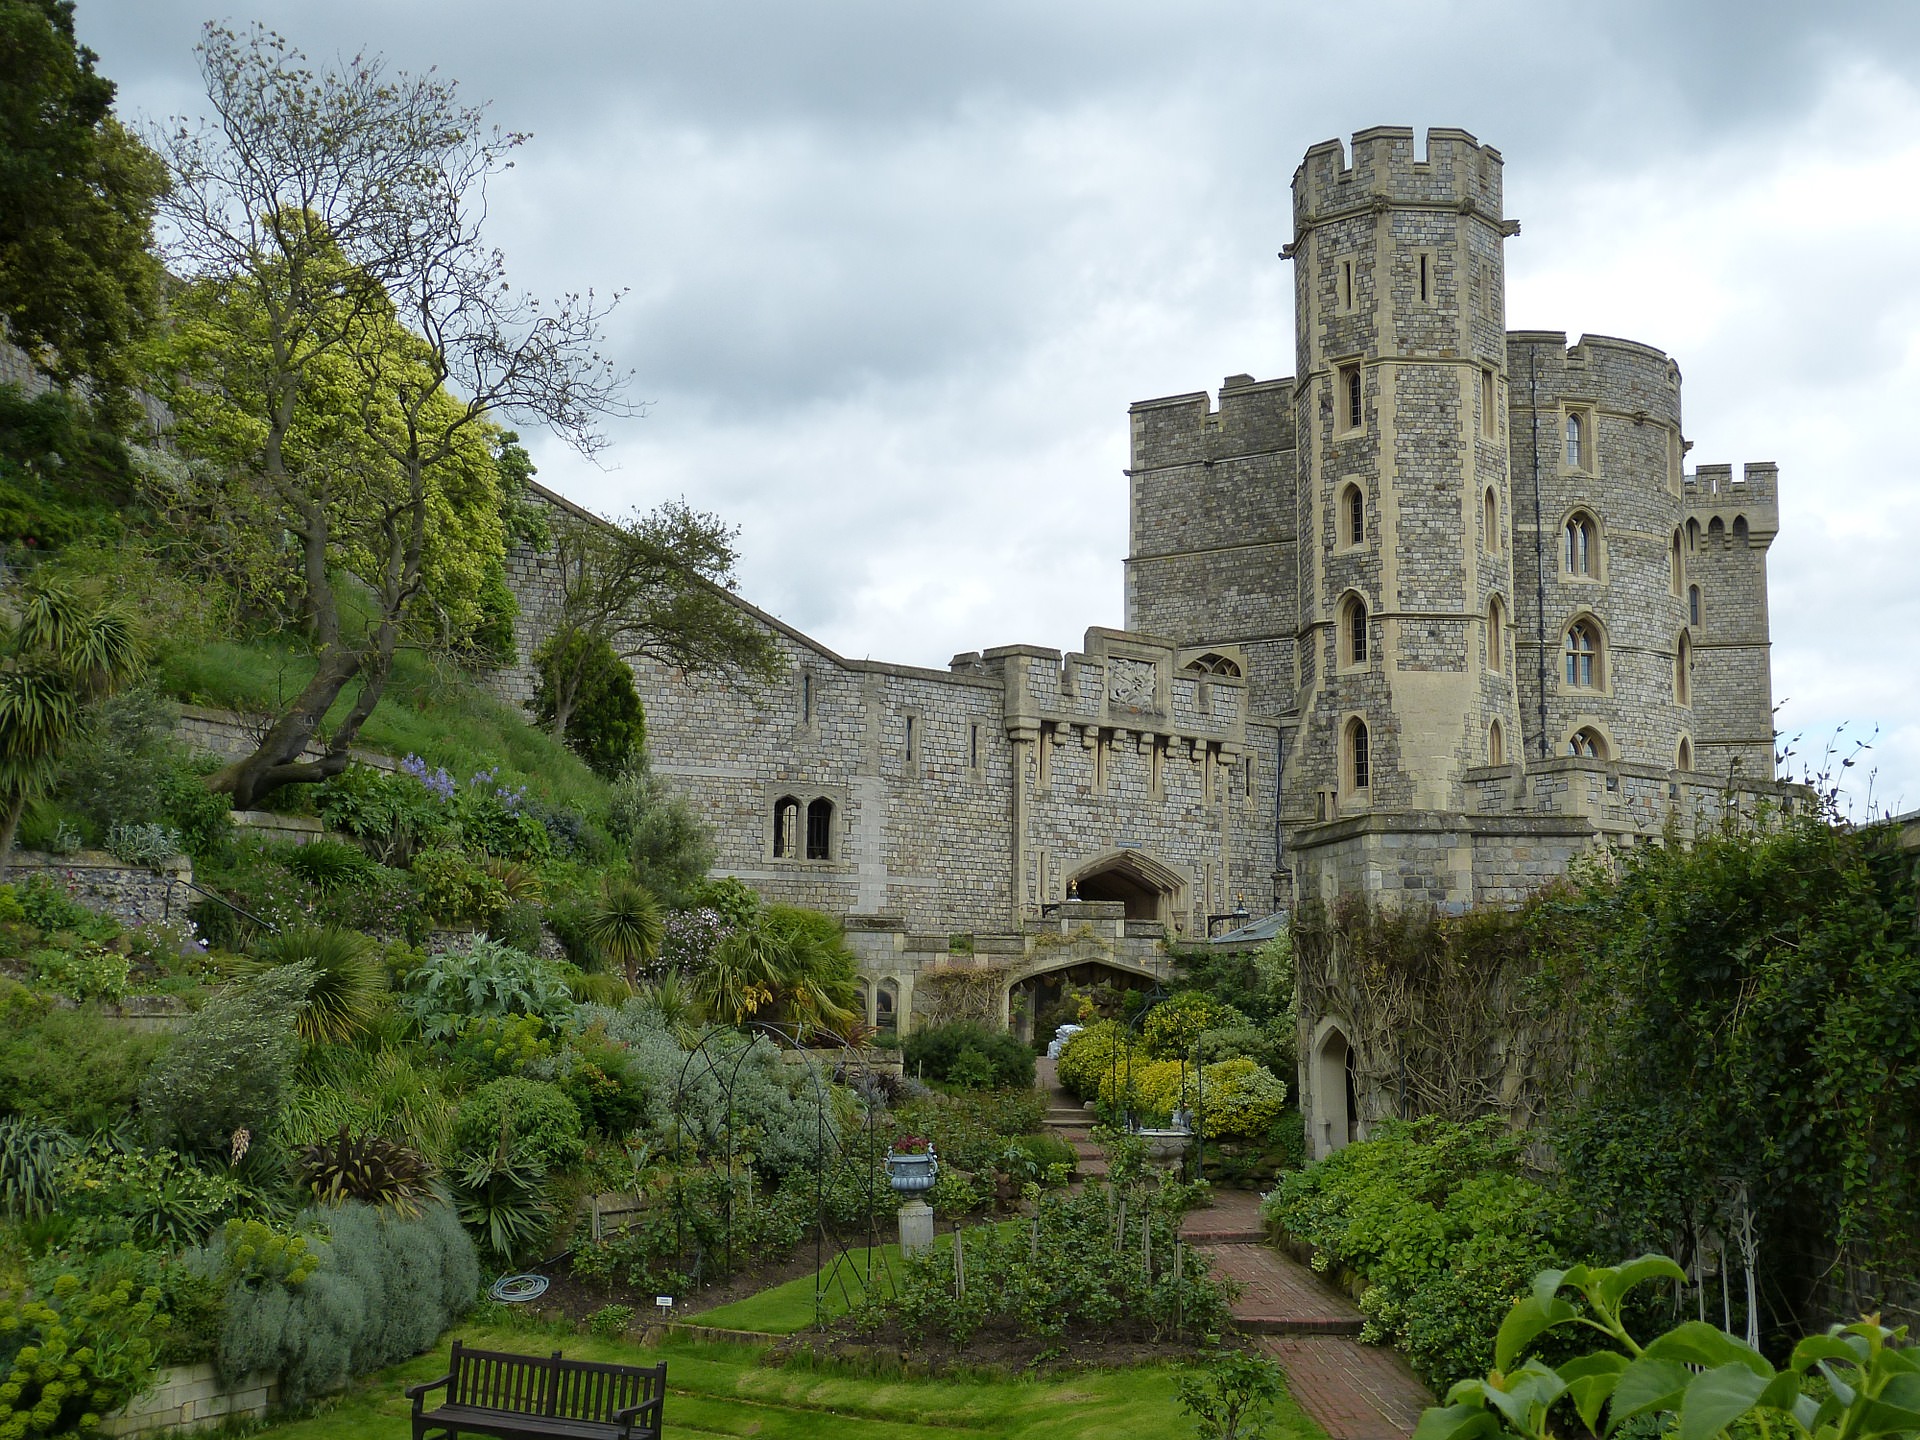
column 724, row 1390
column 430, row 709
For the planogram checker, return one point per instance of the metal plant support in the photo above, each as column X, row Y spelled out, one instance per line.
column 842, row 1260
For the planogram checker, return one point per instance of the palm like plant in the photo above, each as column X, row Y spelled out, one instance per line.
column 788, row 964
column 60, row 653
column 348, row 979
column 626, row 928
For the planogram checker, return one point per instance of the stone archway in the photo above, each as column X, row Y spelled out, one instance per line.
column 1033, row 990
column 1335, row 1119
column 1150, row 889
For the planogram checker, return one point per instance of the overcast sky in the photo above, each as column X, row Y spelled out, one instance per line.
column 895, row 271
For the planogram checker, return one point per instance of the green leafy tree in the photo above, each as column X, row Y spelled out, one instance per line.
column 78, row 279
column 1233, row 1397
column 605, row 723
column 654, row 587
column 367, row 335
column 62, row 652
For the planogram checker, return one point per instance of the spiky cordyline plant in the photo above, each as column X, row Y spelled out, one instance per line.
column 368, row 1169
column 626, row 927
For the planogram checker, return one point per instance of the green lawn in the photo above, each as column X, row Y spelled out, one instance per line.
column 788, row 1309
column 724, row 1390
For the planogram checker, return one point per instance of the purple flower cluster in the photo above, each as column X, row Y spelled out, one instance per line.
column 510, row 799
column 436, row 780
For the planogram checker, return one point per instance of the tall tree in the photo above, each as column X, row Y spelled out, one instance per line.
column 647, row 587
column 347, row 207
column 77, row 274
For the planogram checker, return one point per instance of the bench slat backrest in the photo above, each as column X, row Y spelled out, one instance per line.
column 588, row 1390
column 552, row 1386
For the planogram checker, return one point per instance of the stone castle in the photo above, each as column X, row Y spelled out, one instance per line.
column 1430, row 618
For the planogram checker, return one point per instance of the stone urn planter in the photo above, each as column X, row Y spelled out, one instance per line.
column 1165, row 1147
column 913, row 1173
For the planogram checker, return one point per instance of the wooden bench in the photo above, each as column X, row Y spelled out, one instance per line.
column 490, row 1392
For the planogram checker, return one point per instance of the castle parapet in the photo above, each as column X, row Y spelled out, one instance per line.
column 1458, row 173
column 1753, row 496
column 1254, row 417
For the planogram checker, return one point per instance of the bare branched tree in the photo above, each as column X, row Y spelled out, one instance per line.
column 341, row 217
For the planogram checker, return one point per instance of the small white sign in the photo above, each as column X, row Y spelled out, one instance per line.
column 665, row 1302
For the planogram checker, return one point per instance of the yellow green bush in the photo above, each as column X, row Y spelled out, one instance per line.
column 1235, row 1099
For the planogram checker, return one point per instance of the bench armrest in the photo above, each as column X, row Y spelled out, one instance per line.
column 415, row 1392
column 650, row 1411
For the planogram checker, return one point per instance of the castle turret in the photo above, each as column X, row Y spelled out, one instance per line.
column 1405, row 590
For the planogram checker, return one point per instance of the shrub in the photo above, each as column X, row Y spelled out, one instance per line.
column 604, row 1085
column 533, row 1121
column 31, row 1152
column 1092, row 1057
column 73, row 1354
column 701, row 1218
column 75, row 1068
column 90, row 973
column 996, row 1058
column 1445, row 1231
column 230, row 1067
column 150, row 1196
column 1170, row 1030
column 624, row 929
column 396, row 814
column 397, row 1093
column 1233, row 1396
column 328, row 865
column 607, row 723
column 610, row 1322
column 670, row 850
column 48, row 904
column 149, row 844
column 1063, row 1272
column 1235, row 1099
column 484, row 978
column 364, row 1169
column 385, row 1288
column 492, row 1046
column 348, row 979
column 455, row 888
column 970, row 1131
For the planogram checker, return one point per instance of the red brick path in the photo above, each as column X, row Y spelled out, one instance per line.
column 1352, row 1391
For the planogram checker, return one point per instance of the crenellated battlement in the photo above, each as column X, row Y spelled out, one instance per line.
column 1747, row 504
column 1457, row 171
column 1252, row 417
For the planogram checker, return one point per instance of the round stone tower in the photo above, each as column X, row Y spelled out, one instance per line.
column 1606, row 658
column 1405, row 591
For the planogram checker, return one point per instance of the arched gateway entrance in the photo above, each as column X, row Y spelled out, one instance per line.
column 1149, row 889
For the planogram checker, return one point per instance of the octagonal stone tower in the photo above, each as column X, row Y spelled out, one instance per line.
column 1405, row 579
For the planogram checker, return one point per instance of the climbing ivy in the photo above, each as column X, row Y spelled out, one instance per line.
column 1753, row 1003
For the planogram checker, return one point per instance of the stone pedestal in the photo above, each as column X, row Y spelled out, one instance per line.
column 916, row 1227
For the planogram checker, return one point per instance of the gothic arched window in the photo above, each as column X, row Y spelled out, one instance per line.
column 1353, row 631
column 1357, row 758
column 1584, row 671
column 786, row 828
column 1582, row 546
column 820, row 830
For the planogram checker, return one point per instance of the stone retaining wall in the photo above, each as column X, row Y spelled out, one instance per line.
column 229, row 735
column 132, row 894
column 192, row 1397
